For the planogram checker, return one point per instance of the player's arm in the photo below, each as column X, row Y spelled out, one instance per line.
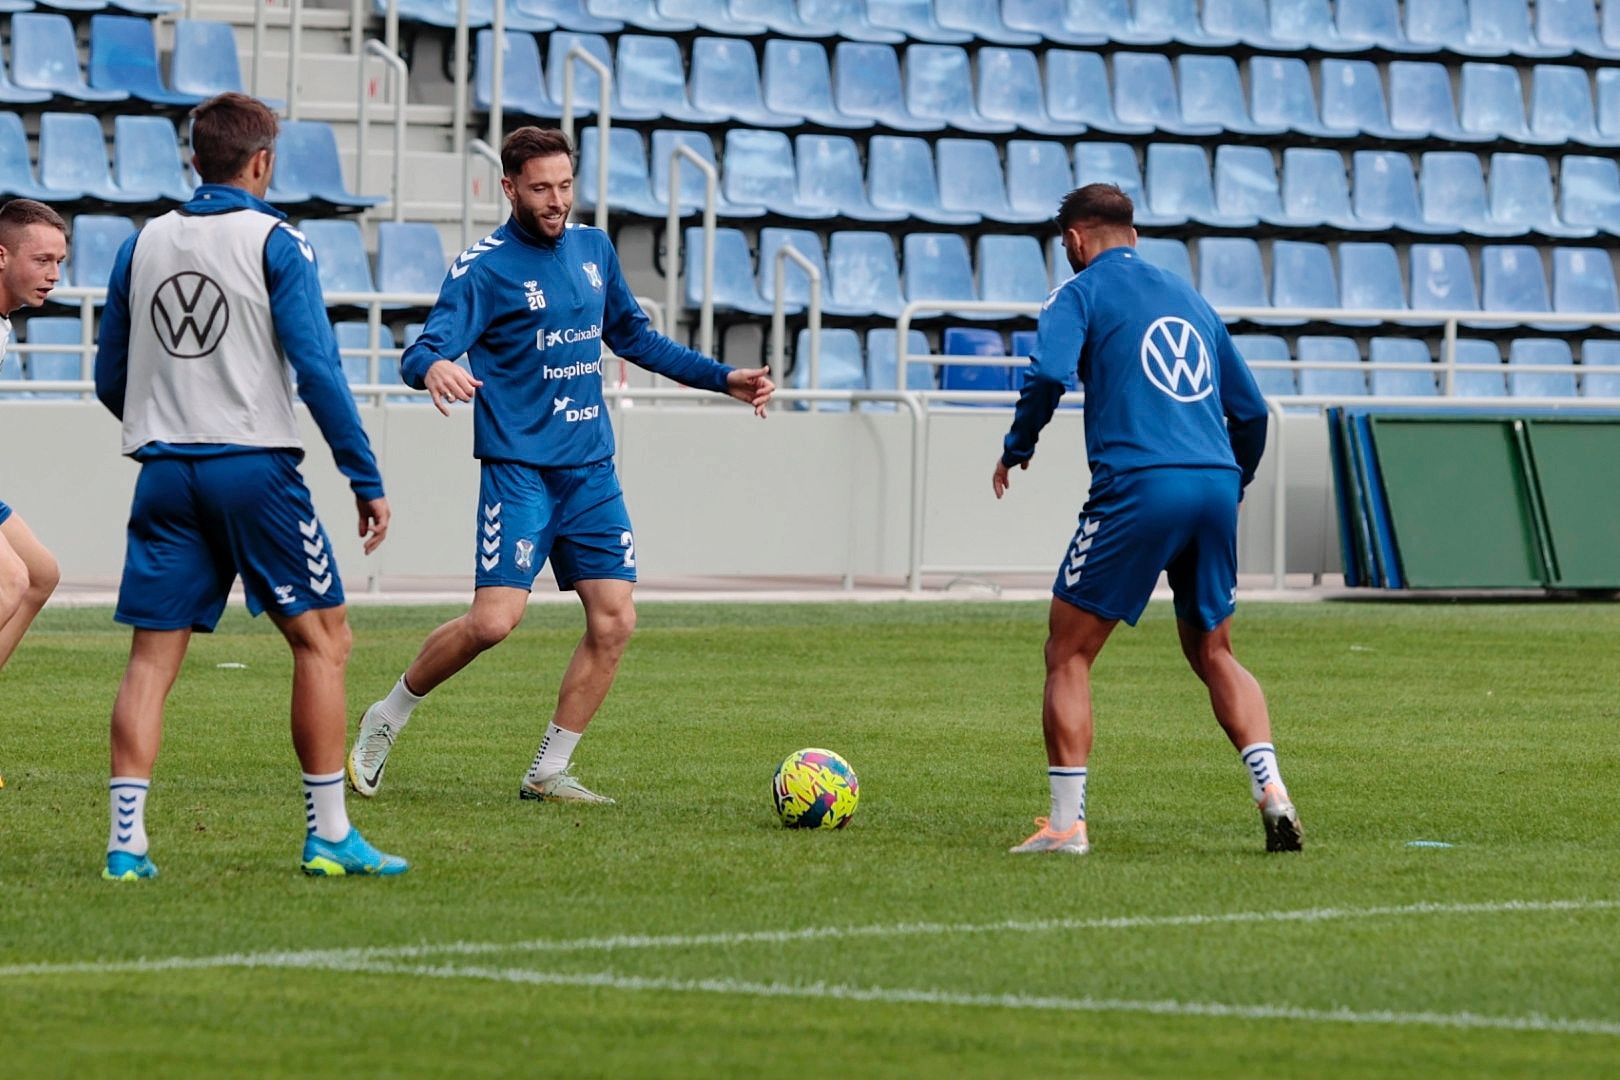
column 112, row 349
column 1244, row 405
column 1060, row 333
column 459, row 317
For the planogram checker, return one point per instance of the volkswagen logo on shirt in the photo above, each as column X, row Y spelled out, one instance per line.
column 1175, row 359
column 190, row 314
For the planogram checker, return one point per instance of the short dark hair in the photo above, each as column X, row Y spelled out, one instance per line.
column 18, row 214
column 227, row 130
column 527, row 143
column 1096, row 204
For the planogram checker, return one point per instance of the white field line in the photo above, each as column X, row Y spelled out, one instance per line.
column 624, row 942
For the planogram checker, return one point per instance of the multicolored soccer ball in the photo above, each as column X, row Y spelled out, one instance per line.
column 815, row 789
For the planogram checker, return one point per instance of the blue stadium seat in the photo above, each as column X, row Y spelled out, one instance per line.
column 1442, row 26
column 1420, row 103
column 1608, row 102
column 340, row 255
column 777, row 16
column 734, row 288
column 1419, row 381
column 307, row 162
column 1369, row 279
column 939, row 88
column 866, row 84
column 650, row 79
column 10, row 92
column 146, row 159
column 123, row 56
column 1267, row 348
column 523, row 88
column 900, row 174
column 1212, row 94
column 1539, row 352
column 1452, row 187
column 1246, row 186
column 691, row 180
column 1522, row 194
column 143, row 7
column 204, row 62
column 846, row 19
column 440, row 13
column 56, row 366
column 1282, row 95
column 1315, row 189
column 587, row 84
column 1145, row 95
column 629, row 186
column 1050, row 19
column 354, row 335
column 935, row 266
column 1514, row 279
column 1583, row 281
column 1115, row 163
column 1010, row 92
column 1442, row 278
column 1479, row 370
column 572, row 15
column 17, row 168
column 1493, row 104
column 970, row 181
column 95, row 241
column 880, row 363
column 1077, row 93
column 1506, row 23
column 1038, row 176
column 1248, row 21
column 73, row 156
column 1561, row 106
column 1572, row 25
column 798, row 79
column 45, row 57
column 1168, row 255
column 1011, row 269
column 1176, row 20
column 840, row 367
column 1596, row 356
column 1588, row 192
column 410, row 257
column 1179, row 184
column 865, row 276
column 1057, row 262
column 795, row 282
column 830, row 178
column 1302, row 277
column 1386, row 193
column 1230, row 274
column 1309, row 24
column 1353, row 99
column 759, row 172
column 974, row 341
column 1024, row 343
column 1346, row 378
column 915, row 19
column 642, row 15
column 982, row 19
column 725, row 82
column 1376, row 23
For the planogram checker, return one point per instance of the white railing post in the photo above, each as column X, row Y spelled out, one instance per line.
column 399, row 77
column 295, row 48
column 458, row 101
column 672, row 243
column 604, row 120
column 497, row 76
column 478, row 148
column 1448, row 358
column 779, row 315
column 256, row 62
column 1279, row 496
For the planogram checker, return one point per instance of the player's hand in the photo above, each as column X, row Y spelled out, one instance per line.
column 751, row 386
column 1000, row 480
column 446, row 382
column 374, row 515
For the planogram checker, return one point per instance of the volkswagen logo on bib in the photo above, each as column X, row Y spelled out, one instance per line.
column 1175, row 359
column 189, row 315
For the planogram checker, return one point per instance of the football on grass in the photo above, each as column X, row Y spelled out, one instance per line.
column 815, row 789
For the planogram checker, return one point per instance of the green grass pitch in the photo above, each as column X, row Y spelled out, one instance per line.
column 684, row 932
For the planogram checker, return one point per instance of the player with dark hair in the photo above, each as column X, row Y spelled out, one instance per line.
column 210, row 310
column 1175, row 427
column 531, row 305
column 33, row 245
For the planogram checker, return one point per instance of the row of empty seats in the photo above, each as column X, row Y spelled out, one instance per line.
column 1066, row 92
column 123, row 66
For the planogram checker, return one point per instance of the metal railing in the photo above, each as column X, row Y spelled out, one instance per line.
column 779, row 315
column 672, row 242
column 400, row 76
column 604, row 120
column 478, row 148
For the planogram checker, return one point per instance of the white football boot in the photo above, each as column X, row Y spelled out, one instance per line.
column 370, row 753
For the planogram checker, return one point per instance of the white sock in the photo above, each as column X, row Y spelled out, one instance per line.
column 126, row 799
column 1261, row 760
column 397, row 706
column 555, row 750
column 324, row 812
column 1068, row 797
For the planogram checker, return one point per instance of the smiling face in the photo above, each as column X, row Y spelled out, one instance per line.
column 542, row 194
column 30, row 265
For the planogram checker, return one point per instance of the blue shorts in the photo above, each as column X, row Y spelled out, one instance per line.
column 196, row 523
column 572, row 515
column 5, row 512
column 1151, row 520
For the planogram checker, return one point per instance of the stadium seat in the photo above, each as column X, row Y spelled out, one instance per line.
column 797, row 79
column 692, row 185
column 1315, row 189
column 1145, row 96
column 1282, row 95
column 1442, row 278
column 1179, row 185
column 1442, row 26
column 1386, row 193
column 866, row 84
column 1479, row 370
column 970, row 181
column 1077, row 93
column 839, row 367
column 1370, row 280
column 1212, row 94
column 982, row 19
column 725, row 82
column 1168, row 255
column 846, row 19
column 1493, row 104
column 1057, row 262
column 340, row 256
column 1573, row 25
column 916, row 20
column 73, row 156
column 10, row 92
column 939, row 88
column 1246, row 186
column 1011, row 270
column 973, row 341
column 523, row 88
column 1539, row 352
column 881, row 359
column 734, row 288
column 1415, row 380
column 1608, row 102
column 410, row 257
column 1176, row 20
column 440, row 13
column 864, row 275
column 1353, row 99
column 146, row 159
column 759, row 172
column 204, row 61
column 587, row 84
column 1522, row 194
column 1050, row 19
column 1452, row 188
column 1230, row 274
column 1115, row 163
column 1345, row 378
column 45, row 57
column 1583, row 281
column 1267, row 348
column 900, row 174
column 629, row 185
column 830, row 178
column 1420, row 103
column 1302, row 277
column 935, row 266
column 1506, row 24
column 95, row 240
column 1561, row 106
column 308, row 169
column 1247, row 21
column 1009, row 92
column 1038, row 177
column 17, row 168
column 1596, row 356
column 1588, row 192
column 355, row 336
column 1376, row 23
column 123, row 56
column 1308, row 24
column 651, row 80
column 795, row 282
column 572, row 15
column 641, row 15
column 56, row 366
column 778, row 17
column 1513, row 279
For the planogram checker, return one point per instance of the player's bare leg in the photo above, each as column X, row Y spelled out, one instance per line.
column 28, row 576
column 155, row 657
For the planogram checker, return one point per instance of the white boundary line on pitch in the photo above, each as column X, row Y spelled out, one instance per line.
column 364, row 955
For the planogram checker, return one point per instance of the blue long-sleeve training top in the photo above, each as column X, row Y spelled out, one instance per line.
column 1164, row 384
column 532, row 315
column 302, row 329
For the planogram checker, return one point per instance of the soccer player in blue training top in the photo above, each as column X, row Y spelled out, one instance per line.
column 531, row 305
column 207, row 307
column 1175, row 427
column 33, row 245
